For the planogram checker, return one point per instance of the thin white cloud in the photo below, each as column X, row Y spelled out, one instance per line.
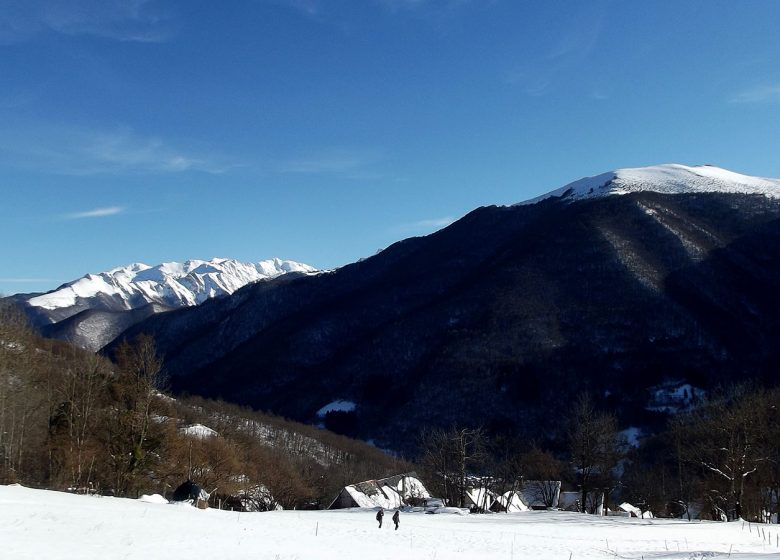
column 70, row 150
column 338, row 161
column 395, row 5
column 319, row 8
column 758, row 94
column 311, row 8
column 539, row 75
column 435, row 222
column 422, row 226
column 96, row 213
column 23, row 280
column 121, row 20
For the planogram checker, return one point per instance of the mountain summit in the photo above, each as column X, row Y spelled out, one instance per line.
column 670, row 178
column 94, row 309
column 172, row 284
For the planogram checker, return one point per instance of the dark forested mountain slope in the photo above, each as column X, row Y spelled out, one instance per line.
column 504, row 317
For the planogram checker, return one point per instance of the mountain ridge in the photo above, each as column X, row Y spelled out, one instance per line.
column 509, row 309
column 92, row 310
column 170, row 283
column 509, row 313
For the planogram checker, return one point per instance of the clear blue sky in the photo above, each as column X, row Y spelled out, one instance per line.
column 324, row 130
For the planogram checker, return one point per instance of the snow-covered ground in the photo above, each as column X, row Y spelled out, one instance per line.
column 52, row 525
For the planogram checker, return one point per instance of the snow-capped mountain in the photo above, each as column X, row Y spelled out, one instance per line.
column 523, row 307
column 670, row 178
column 94, row 309
column 172, row 284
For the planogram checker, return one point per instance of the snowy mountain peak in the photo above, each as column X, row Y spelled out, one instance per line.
column 667, row 179
column 172, row 284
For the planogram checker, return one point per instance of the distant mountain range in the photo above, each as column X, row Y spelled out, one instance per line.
column 96, row 308
column 634, row 286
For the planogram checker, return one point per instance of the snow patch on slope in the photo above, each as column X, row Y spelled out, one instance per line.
column 198, row 431
column 336, row 406
column 666, row 179
column 172, row 284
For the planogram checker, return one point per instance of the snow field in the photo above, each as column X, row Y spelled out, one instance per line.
column 53, row 525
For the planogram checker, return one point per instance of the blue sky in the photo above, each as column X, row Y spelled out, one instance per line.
column 324, row 130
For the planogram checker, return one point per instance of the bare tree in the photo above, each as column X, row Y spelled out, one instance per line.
column 725, row 438
column 22, row 403
column 80, row 391
column 451, row 455
column 594, row 448
column 544, row 470
column 130, row 419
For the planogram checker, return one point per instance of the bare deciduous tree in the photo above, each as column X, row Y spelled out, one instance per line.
column 594, row 448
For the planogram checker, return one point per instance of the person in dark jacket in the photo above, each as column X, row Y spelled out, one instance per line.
column 379, row 516
column 397, row 518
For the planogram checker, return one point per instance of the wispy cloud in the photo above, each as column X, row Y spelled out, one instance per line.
column 538, row 75
column 758, row 94
column 421, row 226
column 395, row 5
column 95, row 213
column 121, row 20
column 434, row 223
column 319, row 8
column 71, row 150
column 309, row 8
column 338, row 161
column 23, row 280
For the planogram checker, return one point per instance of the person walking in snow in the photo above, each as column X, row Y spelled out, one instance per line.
column 379, row 516
column 397, row 518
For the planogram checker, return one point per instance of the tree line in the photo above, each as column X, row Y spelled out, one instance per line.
column 74, row 420
column 71, row 419
column 720, row 460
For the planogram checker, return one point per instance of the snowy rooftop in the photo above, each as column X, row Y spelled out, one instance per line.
column 667, row 179
column 389, row 493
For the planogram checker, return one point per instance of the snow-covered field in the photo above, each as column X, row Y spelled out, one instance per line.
column 52, row 525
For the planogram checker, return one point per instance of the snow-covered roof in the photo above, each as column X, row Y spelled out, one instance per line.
column 625, row 506
column 480, row 497
column 532, row 494
column 667, row 179
column 510, row 502
column 389, row 493
column 385, row 497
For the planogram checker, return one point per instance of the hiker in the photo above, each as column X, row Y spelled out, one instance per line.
column 379, row 515
column 397, row 518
